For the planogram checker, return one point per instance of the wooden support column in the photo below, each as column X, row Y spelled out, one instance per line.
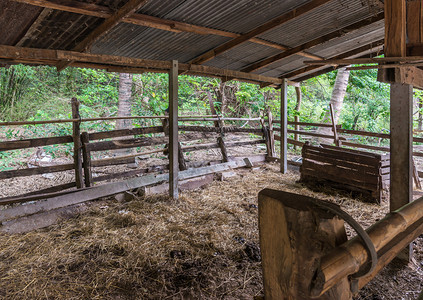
column 297, row 109
column 173, row 131
column 77, row 151
column 401, row 190
column 86, row 153
column 284, row 126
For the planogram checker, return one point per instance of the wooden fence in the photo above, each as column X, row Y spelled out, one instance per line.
column 85, row 144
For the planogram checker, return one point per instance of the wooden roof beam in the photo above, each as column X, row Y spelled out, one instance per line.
column 128, row 9
column 309, row 6
column 369, row 48
column 294, row 51
column 100, row 11
column 51, row 57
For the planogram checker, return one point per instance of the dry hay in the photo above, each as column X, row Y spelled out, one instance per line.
column 203, row 247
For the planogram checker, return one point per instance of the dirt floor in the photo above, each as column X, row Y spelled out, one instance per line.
column 203, row 247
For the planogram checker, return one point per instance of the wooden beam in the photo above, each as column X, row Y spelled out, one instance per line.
column 51, row 57
column 404, row 75
column 44, row 13
column 309, row 6
column 173, row 131
column 401, row 150
column 128, row 9
column 395, row 28
column 147, row 21
column 284, row 127
column 369, row 48
column 320, row 40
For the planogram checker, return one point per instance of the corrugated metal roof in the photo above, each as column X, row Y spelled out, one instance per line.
column 64, row 30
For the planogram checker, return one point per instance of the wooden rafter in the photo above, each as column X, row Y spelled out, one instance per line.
column 358, row 52
column 147, row 21
column 323, row 39
column 51, row 57
column 128, row 9
column 259, row 30
column 44, row 13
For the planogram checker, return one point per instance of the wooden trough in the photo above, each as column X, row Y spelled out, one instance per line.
column 305, row 252
column 354, row 170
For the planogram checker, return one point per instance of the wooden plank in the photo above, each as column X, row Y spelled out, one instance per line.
column 218, row 130
column 126, row 10
column 335, row 133
column 127, row 143
column 77, row 151
column 222, row 147
column 320, row 40
column 173, row 131
column 309, row 6
column 354, row 157
column 365, row 133
column 395, row 28
column 271, row 134
column 124, row 132
column 308, row 133
column 120, row 160
column 359, row 152
column 284, row 127
column 97, row 192
column 414, row 22
column 39, row 142
column 35, row 171
column 86, row 154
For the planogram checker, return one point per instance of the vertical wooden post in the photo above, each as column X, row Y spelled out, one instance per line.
column 395, row 28
column 77, row 152
column 181, row 159
column 297, row 109
column 173, row 131
column 284, row 125
column 271, row 134
column 335, row 133
column 221, row 143
column 401, row 190
column 86, row 154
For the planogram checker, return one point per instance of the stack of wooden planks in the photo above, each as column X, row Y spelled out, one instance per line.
column 358, row 171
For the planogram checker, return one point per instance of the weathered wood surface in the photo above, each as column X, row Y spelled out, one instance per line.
column 346, row 168
column 127, row 143
column 86, row 155
column 389, row 236
column 287, row 224
column 173, row 130
column 284, row 127
column 35, row 171
column 77, row 151
column 97, row 192
column 124, row 132
column 218, row 130
column 39, row 142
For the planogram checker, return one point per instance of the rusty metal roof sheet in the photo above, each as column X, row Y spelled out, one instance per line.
column 63, row 30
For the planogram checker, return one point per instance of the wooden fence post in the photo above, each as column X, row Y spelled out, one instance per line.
column 173, row 131
column 86, row 153
column 76, row 135
column 297, row 109
column 335, row 133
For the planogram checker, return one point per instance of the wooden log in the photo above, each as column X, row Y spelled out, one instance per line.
column 365, row 133
column 124, row 132
column 120, row 160
column 127, row 143
column 292, row 242
column 335, row 133
column 389, row 236
column 35, row 171
column 77, row 151
column 86, row 154
column 284, row 127
column 30, row 143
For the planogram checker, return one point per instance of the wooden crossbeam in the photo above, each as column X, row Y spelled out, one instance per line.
column 363, row 50
column 100, row 11
column 128, row 9
column 259, row 30
column 51, row 57
column 320, row 40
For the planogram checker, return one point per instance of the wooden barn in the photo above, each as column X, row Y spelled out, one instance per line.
column 305, row 253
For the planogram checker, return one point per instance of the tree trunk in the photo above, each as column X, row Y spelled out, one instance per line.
column 124, row 105
column 337, row 100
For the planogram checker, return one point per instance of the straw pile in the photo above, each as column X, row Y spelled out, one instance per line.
column 203, row 247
